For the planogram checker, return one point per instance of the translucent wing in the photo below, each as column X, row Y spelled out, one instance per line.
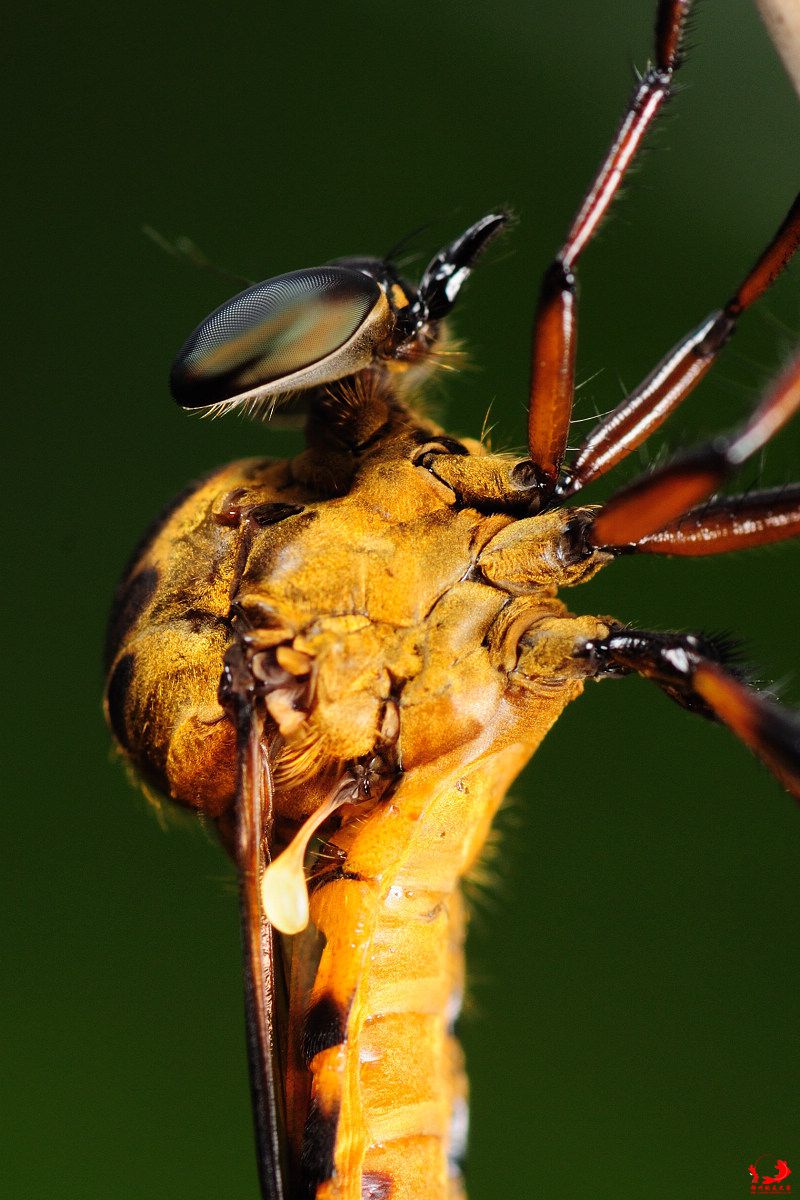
column 262, row 967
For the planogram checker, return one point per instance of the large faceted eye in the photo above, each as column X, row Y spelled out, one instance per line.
column 286, row 334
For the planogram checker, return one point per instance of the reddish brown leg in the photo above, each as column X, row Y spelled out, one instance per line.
column 678, row 374
column 690, row 671
column 654, row 501
column 729, row 523
column 555, row 328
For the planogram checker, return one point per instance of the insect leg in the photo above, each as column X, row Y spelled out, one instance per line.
column 555, row 326
column 680, row 371
column 689, row 669
column 653, row 501
column 729, row 523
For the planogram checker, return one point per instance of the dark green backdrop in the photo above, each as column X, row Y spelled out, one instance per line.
column 633, row 1019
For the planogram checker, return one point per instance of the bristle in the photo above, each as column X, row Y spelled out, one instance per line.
column 255, row 407
column 726, row 648
column 305, row 754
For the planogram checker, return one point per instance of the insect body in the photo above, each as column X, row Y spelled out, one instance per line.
column 344, row 660
column 411, row 690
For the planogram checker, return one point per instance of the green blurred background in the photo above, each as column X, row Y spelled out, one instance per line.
column 632, row 1023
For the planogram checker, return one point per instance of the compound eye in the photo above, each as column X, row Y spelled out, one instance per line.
column 285, row 334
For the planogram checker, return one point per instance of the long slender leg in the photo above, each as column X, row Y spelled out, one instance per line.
column 555, row 327
column 690, row 670
column 653, row 501
column 680, row 371
column 729, row 523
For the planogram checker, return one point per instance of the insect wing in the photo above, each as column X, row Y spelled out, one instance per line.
column 261, row 962
column 284, row 334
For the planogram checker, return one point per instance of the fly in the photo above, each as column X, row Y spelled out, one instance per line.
column 344, row 659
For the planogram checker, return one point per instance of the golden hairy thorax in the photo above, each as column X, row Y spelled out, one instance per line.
column 397, row 612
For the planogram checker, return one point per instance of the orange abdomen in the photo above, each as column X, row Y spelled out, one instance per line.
column 388, row 1110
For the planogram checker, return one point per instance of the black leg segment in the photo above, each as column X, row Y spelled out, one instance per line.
column 696, row 673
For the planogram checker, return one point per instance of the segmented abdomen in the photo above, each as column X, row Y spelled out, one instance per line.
column 388, row 1112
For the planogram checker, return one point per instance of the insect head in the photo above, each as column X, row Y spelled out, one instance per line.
column 310, row 327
